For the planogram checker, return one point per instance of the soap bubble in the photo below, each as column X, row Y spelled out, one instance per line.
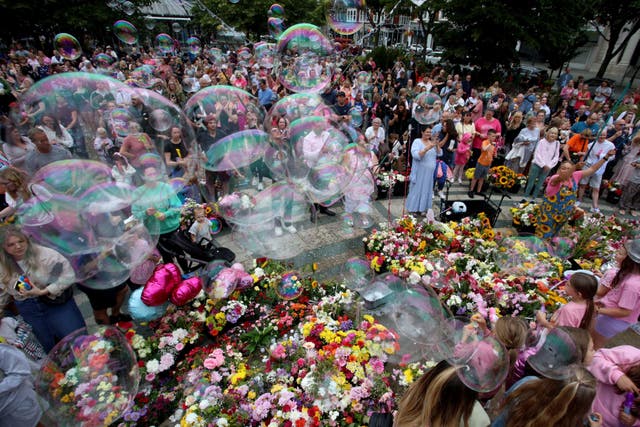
column 68, row 46
column 103, row 60
column 363, row 80
column 296, row 106
column 176, row 28
column 89, row 378
column 126, row 32
column 80, row 212
column 216, row 56
column 276, row 11
column 428, row 108
column 164, row 44
column 264, row 54
column 519, row 256
column 556, row 355
column 414, row 314
column 305, row 56
column 357, row 273
column 143, row 75
column 361, row 187
column 129, row 8
column 275, row 26
column 487, row 369
column 340, row 17
column 319, row 146
column 561, row 247
column 255, row 218
column 221, row 101
column 194, row 45
column 290, row 286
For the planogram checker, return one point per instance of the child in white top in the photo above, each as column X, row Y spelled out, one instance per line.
column 102, row 143
column 200, row 230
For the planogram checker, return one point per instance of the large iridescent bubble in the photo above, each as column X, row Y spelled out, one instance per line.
column 68, row 46
column 275, row 26
column 521, row 256
column 89, row 378
column 264, row 54
column 164, row 44
column 276, row 11
column 82, row 207
column 343, row 16
column 78, row 210
column 194, row 45
column 126, row 32
column 305, row 56
column 428, row 108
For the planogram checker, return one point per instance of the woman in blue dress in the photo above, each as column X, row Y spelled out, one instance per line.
column 424, row 152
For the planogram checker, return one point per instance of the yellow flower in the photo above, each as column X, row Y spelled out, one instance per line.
column 408, row 376
column 251, row 395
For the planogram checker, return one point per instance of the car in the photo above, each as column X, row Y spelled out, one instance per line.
column 594, row 82
column 416, row 48
column 434, row 57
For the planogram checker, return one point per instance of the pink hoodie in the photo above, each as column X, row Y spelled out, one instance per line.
column 609, row 364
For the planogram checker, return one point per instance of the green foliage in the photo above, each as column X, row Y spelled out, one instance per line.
column 83, row 19
column 250, row 16
column 386, row 57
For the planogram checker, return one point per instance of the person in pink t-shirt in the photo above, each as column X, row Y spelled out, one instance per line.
column 483, row 125
column 617, row 371
column 620, row 307
column 579, row 312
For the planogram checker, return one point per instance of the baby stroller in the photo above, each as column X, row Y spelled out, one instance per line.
column 191, row 256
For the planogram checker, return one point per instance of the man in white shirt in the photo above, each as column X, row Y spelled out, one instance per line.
column 596, row 151
column 375, row 135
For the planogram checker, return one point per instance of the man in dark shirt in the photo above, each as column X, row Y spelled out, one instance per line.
column 44, row 153
column 341, row 108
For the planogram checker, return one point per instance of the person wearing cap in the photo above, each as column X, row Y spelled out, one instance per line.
column 341, row 108
column 619, row 308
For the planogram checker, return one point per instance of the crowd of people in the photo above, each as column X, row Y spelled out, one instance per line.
column 564, row 139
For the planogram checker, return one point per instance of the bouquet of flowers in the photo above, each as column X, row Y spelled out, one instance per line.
column 388, row 179
column 231, row 204
column 525, row 215
column 502, row 177
column 469, row 173
column 614, row 191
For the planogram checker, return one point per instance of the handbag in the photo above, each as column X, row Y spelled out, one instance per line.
column 61, row 299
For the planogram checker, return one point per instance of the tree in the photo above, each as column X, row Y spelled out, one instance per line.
column 83, row 19
column 622, row 20
column 560, row 29
column 483, row 33
column 250, row 16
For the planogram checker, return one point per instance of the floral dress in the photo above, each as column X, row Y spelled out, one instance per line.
column 556, row 210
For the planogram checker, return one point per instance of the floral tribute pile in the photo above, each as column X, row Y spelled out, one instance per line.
column 257, row 359
column 473, row 269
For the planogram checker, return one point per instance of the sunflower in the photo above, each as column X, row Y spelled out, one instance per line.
column 544, row 217
column 503, row 180
column 559, row 218
column 544, row 228
column 553, row 198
